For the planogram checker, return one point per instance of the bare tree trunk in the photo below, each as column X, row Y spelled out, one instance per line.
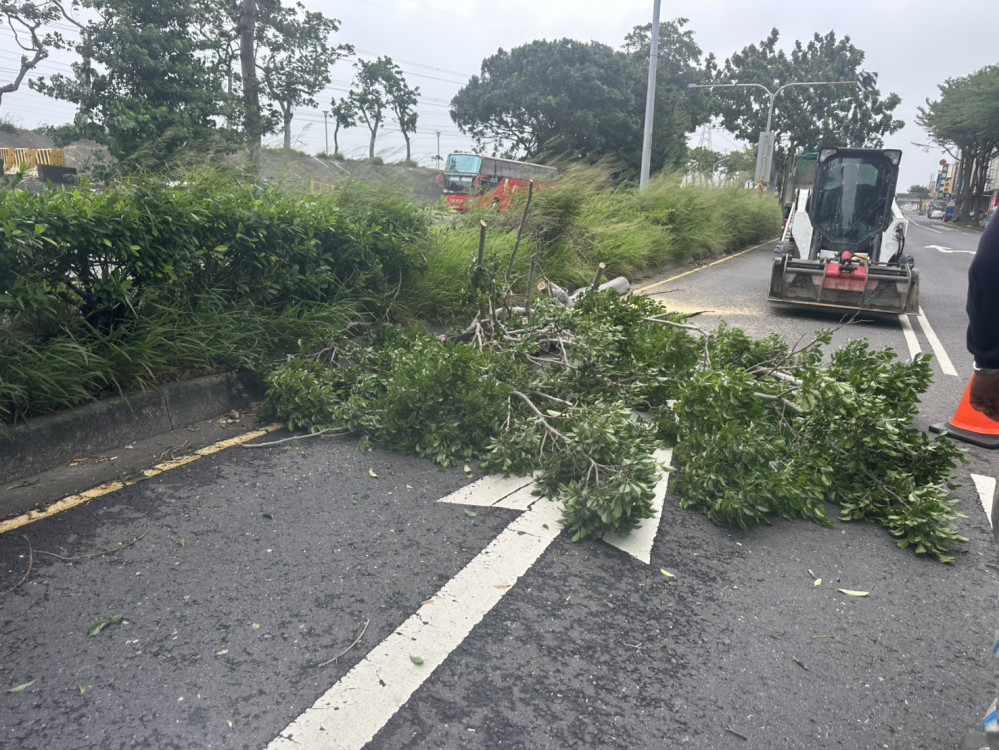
column 251, row 96
column 406, row 136
column 288, row 115
column 371, row 143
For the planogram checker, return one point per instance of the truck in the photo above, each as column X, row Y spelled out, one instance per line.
column 843, row 240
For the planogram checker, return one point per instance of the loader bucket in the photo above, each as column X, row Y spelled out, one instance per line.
column 875, row 288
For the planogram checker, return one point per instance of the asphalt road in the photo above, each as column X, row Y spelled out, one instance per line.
column 255, row 581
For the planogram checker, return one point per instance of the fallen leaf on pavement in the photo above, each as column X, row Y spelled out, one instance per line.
column 850, row 592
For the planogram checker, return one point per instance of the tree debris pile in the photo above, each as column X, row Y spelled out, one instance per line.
column 760, row 430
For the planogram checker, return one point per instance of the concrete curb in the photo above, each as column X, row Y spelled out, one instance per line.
column 43, row 443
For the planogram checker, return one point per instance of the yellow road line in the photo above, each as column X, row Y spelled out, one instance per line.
column 645, row 289
column 72, row 501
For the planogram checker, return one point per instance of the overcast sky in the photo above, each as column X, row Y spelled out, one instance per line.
column 912, row 44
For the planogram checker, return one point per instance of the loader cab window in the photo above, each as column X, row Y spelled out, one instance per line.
column 851, row 199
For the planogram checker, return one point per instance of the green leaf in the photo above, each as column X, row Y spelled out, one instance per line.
column 851, row 592
column 471, row 513
column 22, row 687
column 98, row 626
column 417, row 660
column 666, row 573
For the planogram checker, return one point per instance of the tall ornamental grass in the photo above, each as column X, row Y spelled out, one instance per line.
column 583, row 220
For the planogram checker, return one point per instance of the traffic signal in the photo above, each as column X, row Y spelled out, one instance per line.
column 867, row 81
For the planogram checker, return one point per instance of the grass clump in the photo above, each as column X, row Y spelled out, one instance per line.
column 585, row 219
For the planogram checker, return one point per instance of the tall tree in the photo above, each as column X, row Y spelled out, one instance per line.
column 294, row 56
column 344, row 117
column 402, row 102
column 377, row 84
column 29, row 21
column 142, row 83
column 560, row 97
column 965, row 121
column 803, row 117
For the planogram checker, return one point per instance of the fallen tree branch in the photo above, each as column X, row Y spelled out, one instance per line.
column 79, row 558
column 337, row 430
column 541, row 417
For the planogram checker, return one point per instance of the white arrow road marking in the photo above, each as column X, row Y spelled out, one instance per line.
column 938, row 351
column 986, row 487
column 515, row 493
column 948, row 251
column 356, row 708
column 495, row 491
column 351, row 712
column 639, row 542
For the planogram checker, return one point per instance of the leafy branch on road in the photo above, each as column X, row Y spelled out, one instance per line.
column 761, row 430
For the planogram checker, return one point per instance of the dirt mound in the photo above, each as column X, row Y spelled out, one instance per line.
column 297, row 171
column 303, row 173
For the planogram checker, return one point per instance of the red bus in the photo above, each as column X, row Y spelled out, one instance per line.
column 488, row 180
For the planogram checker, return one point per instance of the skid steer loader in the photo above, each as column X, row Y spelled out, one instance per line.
column 843, row 238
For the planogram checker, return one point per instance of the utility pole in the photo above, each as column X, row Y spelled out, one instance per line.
column 765, row 148
column 650, row 100
column 326, row 127
column 251, row 97
column 438, row 149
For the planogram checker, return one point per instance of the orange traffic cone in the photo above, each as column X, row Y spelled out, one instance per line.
column 970, row 425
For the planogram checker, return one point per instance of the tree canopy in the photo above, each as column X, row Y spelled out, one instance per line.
column 380, row 86
column 559, row 97
column 965, row 121
column 153, row 77
column 143, row 78
column 804, row 117
column 294, row 55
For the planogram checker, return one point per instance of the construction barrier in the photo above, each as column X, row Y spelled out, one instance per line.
column 14, row 158
column 970, row 425
column 318, row 188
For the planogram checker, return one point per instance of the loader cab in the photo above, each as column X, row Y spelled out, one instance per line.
column 851, row 201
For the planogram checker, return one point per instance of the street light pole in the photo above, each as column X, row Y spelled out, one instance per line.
column 326, row 127
column 765, row 149
column 438, row 149
column 650, row 101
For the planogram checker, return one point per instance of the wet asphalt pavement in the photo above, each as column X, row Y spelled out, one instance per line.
column 251, row 568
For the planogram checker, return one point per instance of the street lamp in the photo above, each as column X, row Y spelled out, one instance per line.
column 650, row 100
column 326, row 127
column 765, row 150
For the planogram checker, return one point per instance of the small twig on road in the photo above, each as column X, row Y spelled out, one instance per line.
column 338, row 430
column 26, row 483
column 740, row 736
column 79, row 558
column 356, row 641
column 798, row 661
column 31, row 560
